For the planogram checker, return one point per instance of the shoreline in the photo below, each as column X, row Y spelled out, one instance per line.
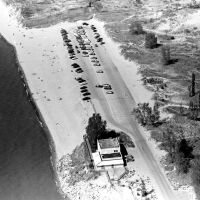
column 53, row 158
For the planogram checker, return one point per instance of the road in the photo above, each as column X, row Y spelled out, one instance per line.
column 117, row 108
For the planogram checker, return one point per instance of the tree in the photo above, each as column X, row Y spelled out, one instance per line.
column 95, row 128
column 169, row 142
column 193, row 85
column 182, row 163
column 195, row 166
column 183, row 155
column 136, row 28
column 156, row 112
column 165, row 52
column 150, row 41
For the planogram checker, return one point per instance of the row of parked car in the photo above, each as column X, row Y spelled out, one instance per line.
column 67, row 42
column 97, row 36
column 84, row 89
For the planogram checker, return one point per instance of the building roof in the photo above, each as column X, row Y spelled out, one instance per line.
column 108, row 143
column 98, row 162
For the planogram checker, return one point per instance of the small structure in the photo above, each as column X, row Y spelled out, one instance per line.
column 108, row 154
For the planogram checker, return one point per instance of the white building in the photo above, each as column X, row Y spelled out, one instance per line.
column 108, row 153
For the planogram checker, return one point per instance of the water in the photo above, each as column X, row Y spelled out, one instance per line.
column 25, row 168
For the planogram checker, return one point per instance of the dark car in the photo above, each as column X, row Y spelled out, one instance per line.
column 83, row 87
column 75, row 65
column 97, row 64
column 102, row 43
column 78, row 51
column 86, row 94
column 99, row 39
column 70, row 51
column 95, row 30
column 67, row 40
column 99, row 86
column 63, row 31
column 86, row 98
column 81, row 80
column 84, row 90
column 86, row 24
column 85, row 52
column 96, row 37
column 79, row 70
column 96, row 45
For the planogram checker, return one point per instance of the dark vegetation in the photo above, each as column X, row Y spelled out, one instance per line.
column 96, row 129
column 136, row 28
column 147, row 116
column 150, row 41
column 179, row 136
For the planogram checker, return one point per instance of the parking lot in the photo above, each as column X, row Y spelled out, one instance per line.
column 85, row 62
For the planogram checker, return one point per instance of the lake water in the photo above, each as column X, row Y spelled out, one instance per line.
column 26, row 172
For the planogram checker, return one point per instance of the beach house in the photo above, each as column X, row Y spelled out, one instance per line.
column 108, row 154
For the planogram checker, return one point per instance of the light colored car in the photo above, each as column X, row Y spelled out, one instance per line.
column 96, row 64
column 99, row 71
column 109, row 92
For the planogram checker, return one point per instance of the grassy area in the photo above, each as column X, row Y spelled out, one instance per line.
column 43, row 13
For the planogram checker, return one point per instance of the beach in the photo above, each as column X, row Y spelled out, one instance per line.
column 26, row 170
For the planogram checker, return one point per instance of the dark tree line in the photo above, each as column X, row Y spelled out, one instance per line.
column 145, row 115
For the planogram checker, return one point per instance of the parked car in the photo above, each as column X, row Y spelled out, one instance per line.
column 86, row 94
column 107, row 88
column 97, row 34
column 70, row 51
column 78, row 51
column 84, row 52
column 99, row 86
column 96, row 37
column 99, row 71
column 75, row 65
column 83, row 87
column 102, row 43
column 109, row 92
column 86, row 98
column 81, row 80
column 97, row 64
column 94, row 61
column 92, row 53
column 86, row 24
column 73, row 57
column 85, row 55
column 84, row 90
column 106, row 84
column 96, row 45
column 79, row 70
column 99, row 39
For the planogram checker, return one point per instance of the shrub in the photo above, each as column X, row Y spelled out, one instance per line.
column 136, row 28
column 150, row 41
column 165, row 53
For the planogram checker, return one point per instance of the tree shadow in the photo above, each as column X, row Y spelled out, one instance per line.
column 173, row 61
